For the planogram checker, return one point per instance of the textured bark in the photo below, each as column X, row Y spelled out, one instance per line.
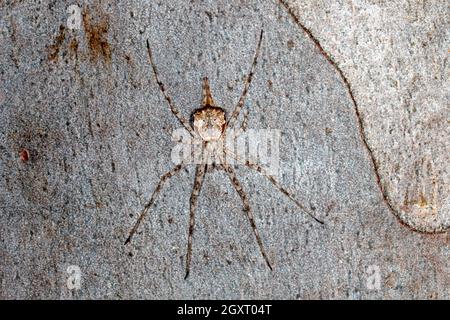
column 85, row 135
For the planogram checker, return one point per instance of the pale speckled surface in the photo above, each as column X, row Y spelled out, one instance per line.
column 99, row 135
column 395, row 54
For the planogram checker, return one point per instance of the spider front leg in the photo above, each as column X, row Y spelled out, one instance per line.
column 198, row 182
column 247, row 209
column 155, row 193
column 263, row 172
column 243, row 126
column 174, row 110
column 247, row 83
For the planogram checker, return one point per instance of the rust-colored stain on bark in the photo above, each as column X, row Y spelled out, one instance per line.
column 96, row 35
column 54, row 49
column 73, row 47
column 24, row 155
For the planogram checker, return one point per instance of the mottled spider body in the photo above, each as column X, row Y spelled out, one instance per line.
column 209, row 123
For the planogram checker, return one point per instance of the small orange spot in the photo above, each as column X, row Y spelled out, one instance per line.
column 24, row 155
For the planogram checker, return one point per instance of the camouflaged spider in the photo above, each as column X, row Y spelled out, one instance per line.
column 210, row 125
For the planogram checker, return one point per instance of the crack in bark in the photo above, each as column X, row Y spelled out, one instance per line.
column 360, row 123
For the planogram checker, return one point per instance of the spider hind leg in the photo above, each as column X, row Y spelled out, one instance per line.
column 198, row 182
column 165, row 177
column 247, row 209
column 274, row 182
column 248, row 81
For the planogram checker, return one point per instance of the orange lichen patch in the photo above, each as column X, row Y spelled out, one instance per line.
column 419, row 204
column 419, row 201
column 24, row 155
column 96, row 32
column 55, row 47
column 422, row 202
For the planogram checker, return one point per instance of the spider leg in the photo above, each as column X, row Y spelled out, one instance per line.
column 243, row 126
column 199, row 176
column 231, row 136
column 247, row 83
column 192, row 141
column 174, row 110
column 157, row 190
column 263, row 172
column 247, row 209
column 244, row 123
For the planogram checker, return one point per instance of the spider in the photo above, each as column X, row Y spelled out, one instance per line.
column 209, row 125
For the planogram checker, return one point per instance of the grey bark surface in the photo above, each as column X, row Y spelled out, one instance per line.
column 85, row 104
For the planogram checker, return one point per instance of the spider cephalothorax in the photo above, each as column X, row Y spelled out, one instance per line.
column 209, row 121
